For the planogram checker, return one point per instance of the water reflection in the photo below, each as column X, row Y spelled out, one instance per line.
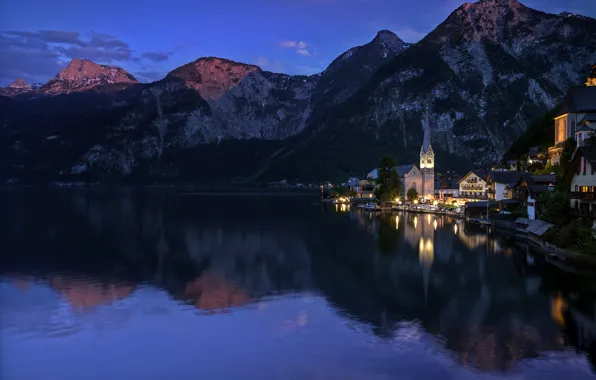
column 307, row 288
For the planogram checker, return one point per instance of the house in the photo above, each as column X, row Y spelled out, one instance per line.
column 446, row 188
column 578, row 109
column 366, row 188
column 581, row 177
column 500, row 183
column 528, row 189
column 473, row 185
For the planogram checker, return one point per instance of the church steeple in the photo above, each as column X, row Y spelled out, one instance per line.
column 426, row 146
column 427, row 159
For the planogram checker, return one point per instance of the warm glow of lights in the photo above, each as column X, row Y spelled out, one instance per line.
column 336, row 206
column 426, row 251
column 557, row 306
column 343, row 208
column 415, row 201
column 396, row 222
column 435, row 224
column 455, row 229
column 396, row 200
column 370, row 195
column 435, row 203
column 428, row 219
column 415, row 221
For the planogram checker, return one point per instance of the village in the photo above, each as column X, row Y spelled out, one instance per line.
column 549, row 196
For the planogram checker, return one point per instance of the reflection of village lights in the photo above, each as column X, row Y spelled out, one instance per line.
column 557, row 306
column 428, row 218
column 426, row 251
column 396, row 222
column 455, row 228
column 415, row 221
column 435, row 224
column 343, row 208
column 336, row 206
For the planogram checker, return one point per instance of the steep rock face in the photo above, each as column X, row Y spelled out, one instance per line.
column 83, row 75
column 485, row 73
column 18, row 87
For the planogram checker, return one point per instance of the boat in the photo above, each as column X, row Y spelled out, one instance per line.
column 370, row 206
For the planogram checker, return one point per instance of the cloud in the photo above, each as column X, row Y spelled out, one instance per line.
column 268, row 65
column 288, row 44
column 38, row 56
column 299, row 46
column 303, row 52
column 156, row 57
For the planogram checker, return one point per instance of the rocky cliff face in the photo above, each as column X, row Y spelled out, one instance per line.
column 485, row 73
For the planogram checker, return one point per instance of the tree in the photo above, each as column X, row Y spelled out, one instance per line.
column 566, row 156
column 554, row 207
column 388, row 184
column 412, row 194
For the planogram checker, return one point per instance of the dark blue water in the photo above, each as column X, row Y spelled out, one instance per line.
column 166, row 285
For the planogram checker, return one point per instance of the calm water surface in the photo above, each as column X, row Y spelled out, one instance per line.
column 167, row 285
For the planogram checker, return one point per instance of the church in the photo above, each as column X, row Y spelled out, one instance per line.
column 423, row 178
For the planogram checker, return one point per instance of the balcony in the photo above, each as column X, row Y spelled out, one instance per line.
column 582, row 195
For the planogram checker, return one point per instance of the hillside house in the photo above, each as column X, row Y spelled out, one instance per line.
column 581, row 177
column 501, row 183
column 578, row 111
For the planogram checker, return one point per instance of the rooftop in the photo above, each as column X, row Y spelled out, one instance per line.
column 579, row 99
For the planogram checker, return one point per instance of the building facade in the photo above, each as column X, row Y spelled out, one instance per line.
column 474, row 185
column 582, row 179
column 577, row 111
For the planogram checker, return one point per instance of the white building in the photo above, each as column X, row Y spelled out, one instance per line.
column 501, row 182
column 474, row 185
column 582, row 178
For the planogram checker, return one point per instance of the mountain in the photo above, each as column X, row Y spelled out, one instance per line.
column 83, row 75
column 18, row 87
column 485, row 73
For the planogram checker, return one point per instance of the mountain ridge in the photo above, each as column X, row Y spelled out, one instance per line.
column 485, row 72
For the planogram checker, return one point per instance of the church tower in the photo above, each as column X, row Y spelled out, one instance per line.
column 427, row 161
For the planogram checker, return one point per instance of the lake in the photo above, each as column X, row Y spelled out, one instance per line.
column 169, row 284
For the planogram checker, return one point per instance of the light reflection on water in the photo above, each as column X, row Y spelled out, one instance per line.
column 138, row 285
